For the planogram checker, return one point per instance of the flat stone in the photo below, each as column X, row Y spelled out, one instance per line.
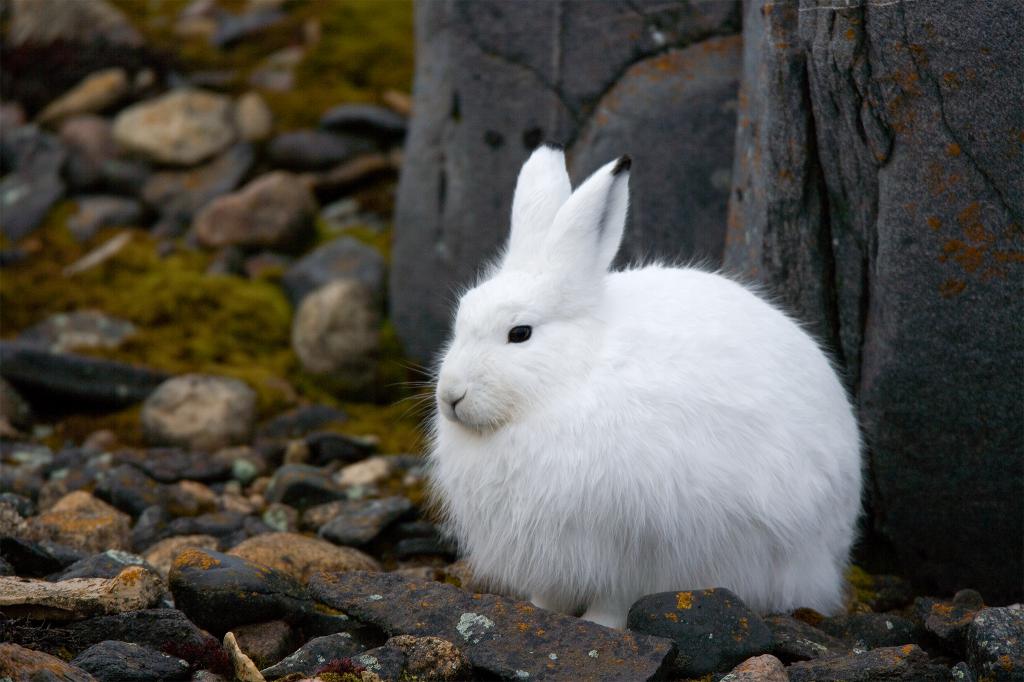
column 65, row 379
column 906, row 663
column 301, row 421
column 302, row 486
column 326, row 448
column 108, row 564
column 503, row 637
column 369, row 471
column 311, row 150
column 26, row 198
column 19, row 664
column 995, row 644
column 32, row 559
column 94, row 94
column 948, row 620
column 314, row 654
column 81, row 521
column 794, row 640
column 357, row 522
column 871, row 630
column 134, row 588
column 127, row 662
column 367, row 120
column 713, row 629
column 301, row 556
column 99, row 212
column 183, row 127
column 170, row 465
column 218, row 591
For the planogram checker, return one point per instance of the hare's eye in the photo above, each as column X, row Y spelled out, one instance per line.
column 519, row 334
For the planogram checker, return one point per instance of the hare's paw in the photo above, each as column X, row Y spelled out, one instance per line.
column 610, row 613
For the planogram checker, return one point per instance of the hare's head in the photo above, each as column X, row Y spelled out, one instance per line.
column 533, row 326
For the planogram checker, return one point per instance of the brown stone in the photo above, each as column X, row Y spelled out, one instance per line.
column 301, row 556
column 431, row 658
column 906, row 663
column 764, row 668
column 132, row 589
column 274, row 211
column 19, row 664
column 162, row 555
column 94, row 94
column 80, row 520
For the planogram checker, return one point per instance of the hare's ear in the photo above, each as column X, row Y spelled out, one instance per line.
column 587, row 230
column 543, row 186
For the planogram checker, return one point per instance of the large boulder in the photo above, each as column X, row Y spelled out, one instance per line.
column 495, row 80
column 883, row 210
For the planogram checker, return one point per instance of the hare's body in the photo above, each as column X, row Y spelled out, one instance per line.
column 696, row 437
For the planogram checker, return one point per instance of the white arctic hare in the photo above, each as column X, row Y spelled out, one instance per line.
column 605, row 435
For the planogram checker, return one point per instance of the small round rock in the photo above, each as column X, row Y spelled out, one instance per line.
column 199, row 411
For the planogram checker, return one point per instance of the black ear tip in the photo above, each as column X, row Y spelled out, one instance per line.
column 622, row 164
column 554, row 145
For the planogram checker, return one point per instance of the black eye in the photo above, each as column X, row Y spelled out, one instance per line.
column 519, row 334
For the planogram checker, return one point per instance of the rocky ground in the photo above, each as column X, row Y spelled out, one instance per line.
column 206, row 468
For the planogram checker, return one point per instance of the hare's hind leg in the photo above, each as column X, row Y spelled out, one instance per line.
column 608, row 611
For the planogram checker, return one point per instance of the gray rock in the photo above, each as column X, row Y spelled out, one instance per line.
column 113, row 661
column 878, row 207
column 995, row 644
column 97, row 212
column 301, row 486
column 948, row 620
column 200, row 411
column 274, row 211
column 65, row 379
column 311, row 150
column 336, row 333
column 130, row 490
column 712, row 629
column 33, row 185
column 893, row 664
column 499, row 636
column 357, row 522
column 105, row 565
column 463, row 154
column 871, row 630
column 342, row 258
column 314, row 654
column 78, row 330
column 180, row 128
column 795, row 640
column 368, row 120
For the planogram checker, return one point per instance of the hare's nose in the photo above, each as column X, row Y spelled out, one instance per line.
column 454, row 396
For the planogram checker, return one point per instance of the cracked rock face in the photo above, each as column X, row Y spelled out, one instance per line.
column 874, row 197
column 494, row 81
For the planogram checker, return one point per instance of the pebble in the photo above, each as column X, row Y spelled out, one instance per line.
column 96, row 92
column 357, row 522
column 105, row 565
column 314, row 654
column 181, row 128
column 19, row 664
column 948, row 620
column 431, row 658
column 162, row 554
column 713, row 629
column 99, row 212
column 302, row 486
column 301, row 421
column 370, row 471
column 871, row 630
column 794, row 640
column 253, row 118
column 81, row 521
column 336, row 332
column 383, row 125
column 341, row 258
column 132, row 589
column 312, row 150
column 764, row 668
column 199, row 411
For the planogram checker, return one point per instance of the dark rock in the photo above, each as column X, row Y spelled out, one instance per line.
column 313, row 654
column 90, row 146
column 327, row 447
column 881, row 592
column 19, row 664
column 233, row 28
column 106, row 565
column 870, row 198
column 461, row 159
column 25, row 199
column 97, row 212
column 31, row 559
column 179, row 195
column 995, row 644
column 65, row 380
column 897, row 664
column 498, row 635
column 312, row 150
column 301, row 486
column 357, row 522
column 218, row 591
column 961, row 672
column 712, row 629
column 153, row 628
column 871, row 630
column 129, row 489
column 223, row 525
column 169, row 465
column 367, row 120
column 385, row 661
column 431, row 545
column 274, row 211
column 30, row 150
column 150, row 528
column 6, row 568
column 350, row 176
column 126, row 662
column 430, row 658
column 340, row 258
column 795, row 640
column 300, row 422
column 948, row 621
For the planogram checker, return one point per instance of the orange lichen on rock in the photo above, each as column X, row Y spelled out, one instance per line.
column 193, row 558
column 684, row 600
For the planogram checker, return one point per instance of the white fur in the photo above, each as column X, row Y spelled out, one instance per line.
column 663, row 428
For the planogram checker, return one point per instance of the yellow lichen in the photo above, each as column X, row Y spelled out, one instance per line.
column 684, row 600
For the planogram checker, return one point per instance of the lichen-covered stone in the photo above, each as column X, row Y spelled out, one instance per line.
column 871, row 630
column 948, row 620
column 431, row 658
column 764, row 668
column 995, row 644
column 314, row 654
column 301, row 556
column 82, row 521
column 713, row 629
column 795, row 640
column 357, row 522
column 498, row 635
column 162, row 554
column 907, row 663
